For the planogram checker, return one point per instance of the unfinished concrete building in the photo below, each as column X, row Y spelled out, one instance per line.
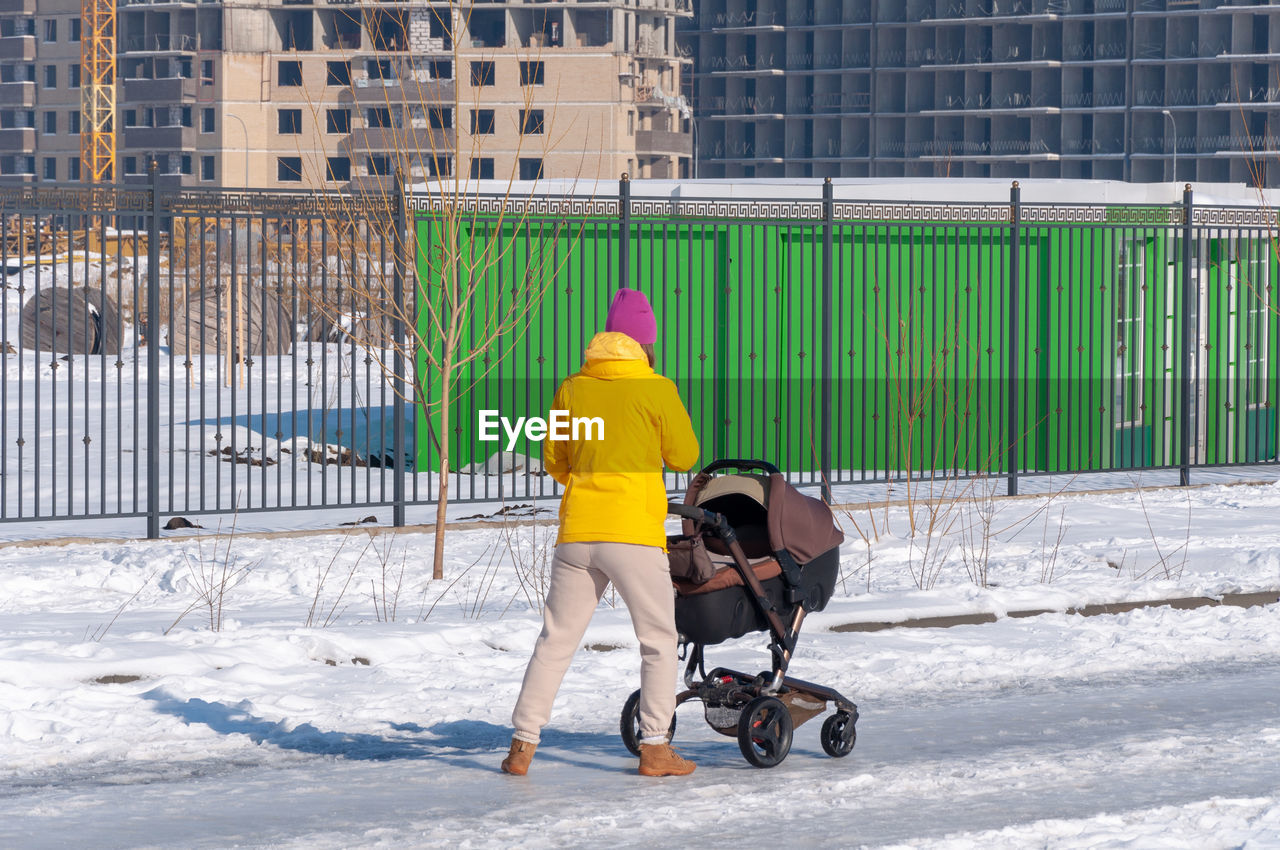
column 40, row 89
column 333, row 92
column 988, row 88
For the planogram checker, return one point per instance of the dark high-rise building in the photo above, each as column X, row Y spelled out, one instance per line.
column 1113, row 89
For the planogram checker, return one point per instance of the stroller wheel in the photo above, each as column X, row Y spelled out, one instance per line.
column 629, row 724
column 764, row 731
column 839, row 735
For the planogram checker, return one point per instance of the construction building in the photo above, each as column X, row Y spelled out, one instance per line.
column 1113, row 89
column 40, row 78
column 334, row 93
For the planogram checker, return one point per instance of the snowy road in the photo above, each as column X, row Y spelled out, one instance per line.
column 948, row 763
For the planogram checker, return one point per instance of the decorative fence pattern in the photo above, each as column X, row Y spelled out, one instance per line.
column 197, row 351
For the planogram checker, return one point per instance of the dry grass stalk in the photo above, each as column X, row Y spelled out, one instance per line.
column 214, row 576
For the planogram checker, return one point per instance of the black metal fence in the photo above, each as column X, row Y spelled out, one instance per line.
column 190, row 351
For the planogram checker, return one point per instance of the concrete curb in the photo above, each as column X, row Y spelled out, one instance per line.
column 371, row 530
column 1182, row 603
column 880, row 504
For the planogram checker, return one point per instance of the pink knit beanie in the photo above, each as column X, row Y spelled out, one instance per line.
column 631, row 314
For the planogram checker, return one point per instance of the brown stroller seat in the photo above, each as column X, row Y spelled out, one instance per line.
column 777, row 527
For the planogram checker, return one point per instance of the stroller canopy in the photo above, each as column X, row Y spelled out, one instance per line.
column 801, row 524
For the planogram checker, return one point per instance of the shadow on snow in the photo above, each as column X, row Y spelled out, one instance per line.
column 409, row 741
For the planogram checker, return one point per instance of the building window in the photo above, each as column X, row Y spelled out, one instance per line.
column 530, row 168
column 184, row 164
column 338, row 74
column 206, row 168
column 289, row 73
column 379, row 165
column 130, row 165
column 12, row 27
column 75, row 31
column 1249, row 272
column 50, row 30
column 482, row 123
column 289, row 122
column 337, row 121
column 206, row 120
column 289, row 169
column 73, row 76
column 130, row 118
column 377, row 116
column 378, row 69
column 532, row 73
column 437, row 166
column 337, row 169
column 50, row 169
column 50, row 123
column 440, row 69
column 631, row 123
column 440, row 119
column 16, row 119
column 1130, row 311
column 73, row 122
column 531, row 122
column 73, row 168
column 17, row 73
column 482, row 168
column 206, row 72
column 482, row 73
column 17, row 164
column 51, row 76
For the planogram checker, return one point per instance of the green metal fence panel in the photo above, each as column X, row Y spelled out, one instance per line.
column 920, row 329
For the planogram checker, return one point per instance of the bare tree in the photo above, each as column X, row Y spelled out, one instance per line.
column 467, row 300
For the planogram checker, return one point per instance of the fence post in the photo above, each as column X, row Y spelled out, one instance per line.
column 828, row 275
column 624, row 242
column 398, row 337
column 1189, row 341
column 153, row 357
column 1011, row 384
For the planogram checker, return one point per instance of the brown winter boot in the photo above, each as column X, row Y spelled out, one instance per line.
column 663, row 760
column 517, row 760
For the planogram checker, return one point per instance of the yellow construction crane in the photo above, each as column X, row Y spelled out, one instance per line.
column 98, row 90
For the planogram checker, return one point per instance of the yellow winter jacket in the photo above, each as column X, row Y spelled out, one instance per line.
column 614, row 492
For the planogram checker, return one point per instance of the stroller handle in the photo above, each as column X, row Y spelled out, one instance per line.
column 740, row 463
column 692, row 512
column 710, row 518
column 697, row 514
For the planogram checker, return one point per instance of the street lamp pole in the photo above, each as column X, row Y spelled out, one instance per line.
column 245, row 129
column 235, row 352
column 694, row 124
column 1169, row 115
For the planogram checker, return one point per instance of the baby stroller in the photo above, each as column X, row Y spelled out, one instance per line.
column 755, row 555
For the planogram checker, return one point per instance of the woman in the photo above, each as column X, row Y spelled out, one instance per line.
column 612, row 519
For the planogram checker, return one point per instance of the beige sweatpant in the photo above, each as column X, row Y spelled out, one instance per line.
column 580, row 572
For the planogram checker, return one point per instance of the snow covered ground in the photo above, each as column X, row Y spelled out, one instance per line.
column 327, row 694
